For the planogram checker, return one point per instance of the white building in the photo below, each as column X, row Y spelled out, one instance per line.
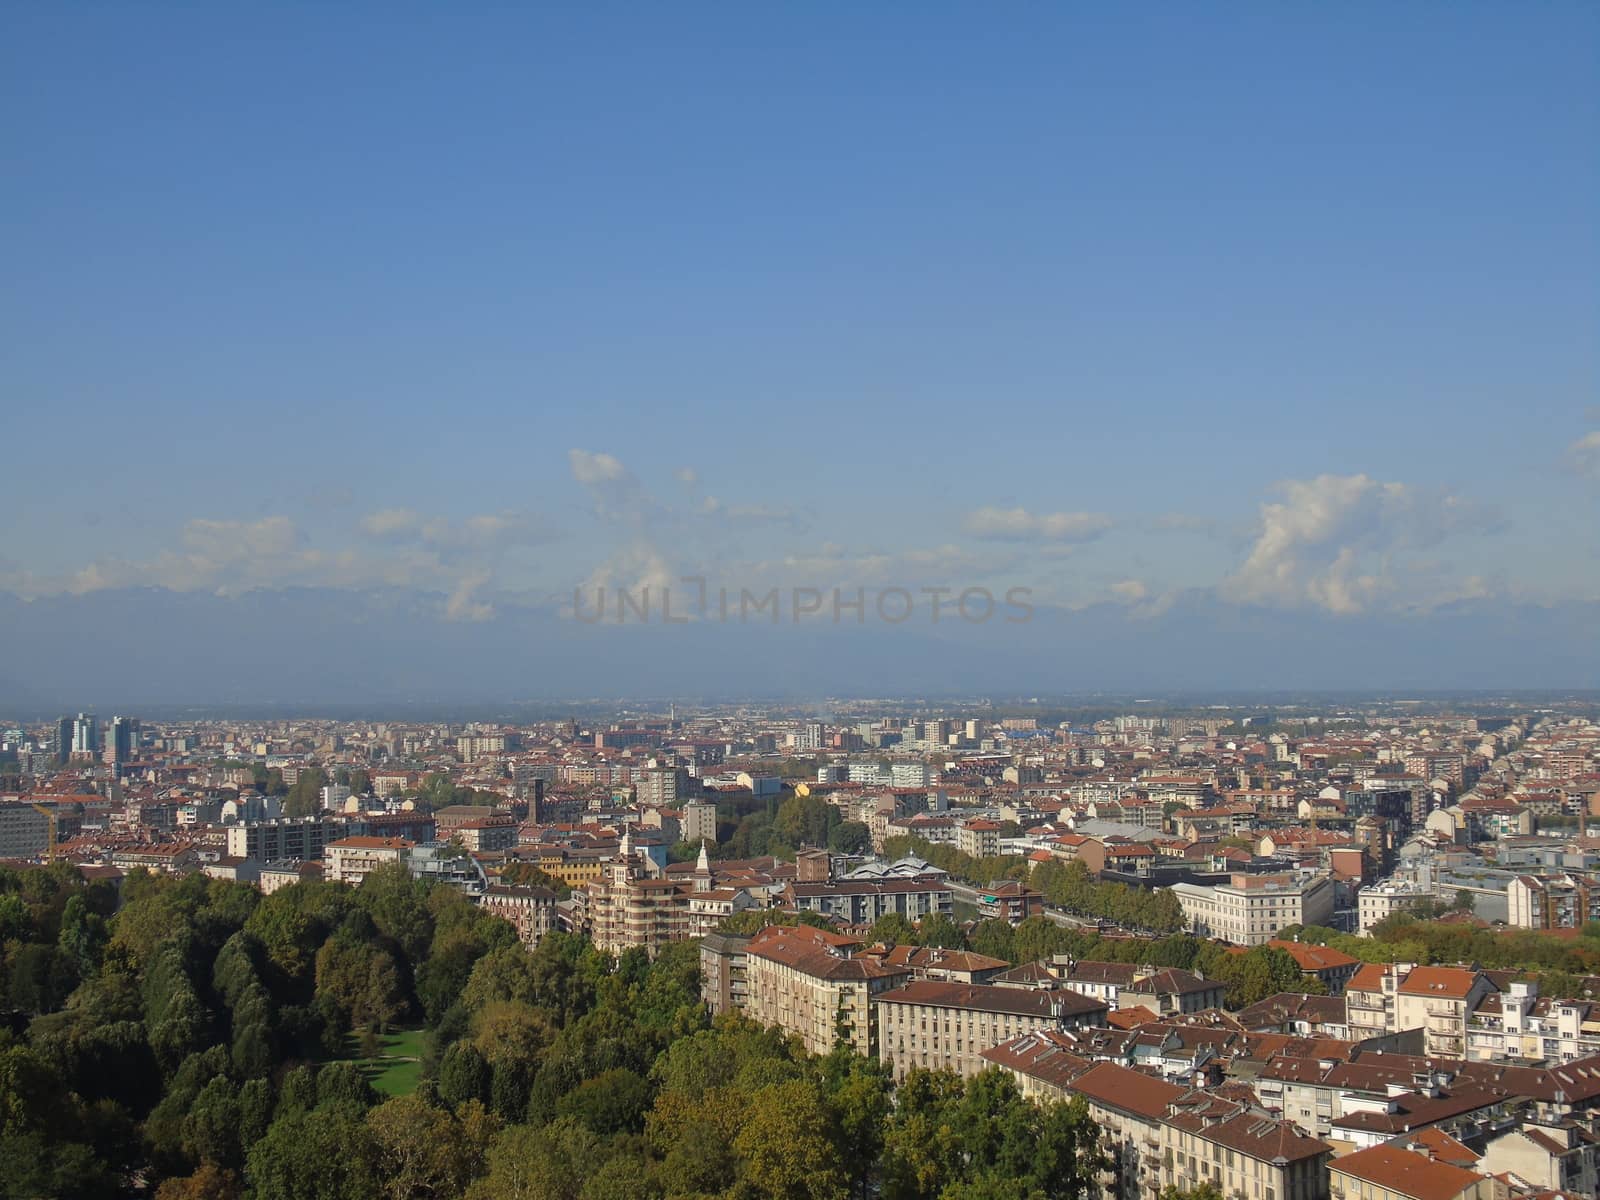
column 1376, row 904
column 351, row 859
column 1251, row 909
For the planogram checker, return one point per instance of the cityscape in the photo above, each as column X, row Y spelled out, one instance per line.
column 712, row 601
column 1288, row 951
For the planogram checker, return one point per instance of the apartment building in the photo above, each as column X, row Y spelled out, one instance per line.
column 1563, row 1157
column 1130, row 1108
column 978, row 837
column 487, row 834
column 289, row 871
column 724, row 972
column 698, row 822
column 862, row 901
column 1158, row 1133
column 1241, row 1150
column 946, row 966
column 1251, row 909
column 1393, row 1172
column 350, row 860
column 933, row 829
column 304, row 838
column 1519, row 1025
column 711, row 906
column 166, row 858
column 1044, row 1063
column 629, row 905
column 572, row 865
column 811, row 983
column 530, row 910
column 1379, row 903
column 948, row 1026
column 1461, row 1107
column 1561, row 901
column 1163, row 990
column 25, row 830
column 1009, row 901
column 1389, row 997
column 663, row 787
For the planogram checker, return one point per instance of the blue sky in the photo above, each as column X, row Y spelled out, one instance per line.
column 1279, row 308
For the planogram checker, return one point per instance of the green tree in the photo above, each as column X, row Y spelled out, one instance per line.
column 805, row 821
column 550, row 1163
column 995, row 938
column 784, row 1147
column 939, row 930
column 614, row 1101
column 621, row 1178
column 327, row 1154
column 305, row 797
column 850, row 837
column 893, row 929
column 211, row 1129
column 419, row 1150
column 464, row 1074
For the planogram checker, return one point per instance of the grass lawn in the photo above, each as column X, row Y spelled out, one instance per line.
column 398, row 1067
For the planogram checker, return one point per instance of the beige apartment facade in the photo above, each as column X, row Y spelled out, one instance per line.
column 351, row 860
column 808, row 982
column 530, row 910
column 948, row 1026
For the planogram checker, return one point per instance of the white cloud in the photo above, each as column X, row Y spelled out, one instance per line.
column 226, row 541
column 1018, row 525
column 482, row 534
column 687, row 476
column 390, row 523
column 462, row 604
column 1584, row 455
column 590, row 468
column 1129, row 591
column 612, row 487
column 1338, row 543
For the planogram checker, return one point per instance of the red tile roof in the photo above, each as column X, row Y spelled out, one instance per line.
column 1406, row 1172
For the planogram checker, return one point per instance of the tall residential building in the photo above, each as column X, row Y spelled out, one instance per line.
column 906, row 775
column 85, row 734
column 699, row 822
column 628, row 905
column 724, row 972
column 531, row 910
column 806, row 982
column 861, row 902
column 121, row 740
column 301, row 838
column 947, row 1026
column 1392, row 997
column 663, row 787
column 24, row 830
column 63, row 746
